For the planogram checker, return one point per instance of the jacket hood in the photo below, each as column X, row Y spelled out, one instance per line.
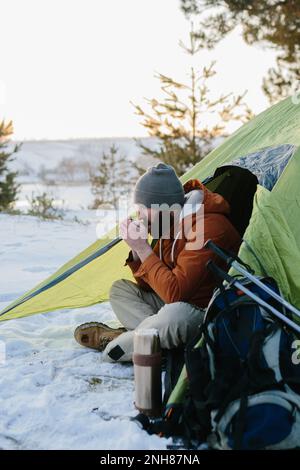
column 196, row 194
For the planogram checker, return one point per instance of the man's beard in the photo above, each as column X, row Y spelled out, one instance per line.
column 162, row 226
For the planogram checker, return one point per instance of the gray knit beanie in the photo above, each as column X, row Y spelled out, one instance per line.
column 159, row 185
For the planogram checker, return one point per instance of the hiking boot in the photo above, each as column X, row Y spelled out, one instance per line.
column 96, row 335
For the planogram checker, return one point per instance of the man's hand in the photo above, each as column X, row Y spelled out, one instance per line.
column 135, row 234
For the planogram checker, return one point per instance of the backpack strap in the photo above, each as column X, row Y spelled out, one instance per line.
column 240, row 421
column 271, row 351
column 257, row 377
column 261, row 376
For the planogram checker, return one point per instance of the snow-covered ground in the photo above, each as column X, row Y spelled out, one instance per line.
column 54, row 394
column 66, row 196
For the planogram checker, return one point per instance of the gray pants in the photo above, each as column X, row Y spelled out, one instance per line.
column 135, row 308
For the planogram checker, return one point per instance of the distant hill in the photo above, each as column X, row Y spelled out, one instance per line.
column 69, row 160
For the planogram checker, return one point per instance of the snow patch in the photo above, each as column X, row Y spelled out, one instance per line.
column 54, row 393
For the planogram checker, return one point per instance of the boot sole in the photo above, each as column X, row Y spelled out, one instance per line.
column 84, row 326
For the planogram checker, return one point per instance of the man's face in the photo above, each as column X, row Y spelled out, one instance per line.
column 157, row 222
column 148, row 216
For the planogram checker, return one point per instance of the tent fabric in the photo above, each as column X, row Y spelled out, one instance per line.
column 86, row 286
column 52, row 282
column 276, row 246
column 267, row 164
column 278, row 125
column 273, row 232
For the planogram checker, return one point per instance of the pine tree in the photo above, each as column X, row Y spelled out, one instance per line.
column 177, row 120
column 111, row 179
column 269, row 23
column 8, row 186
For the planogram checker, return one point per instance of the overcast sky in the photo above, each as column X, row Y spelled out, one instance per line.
column 69, row 68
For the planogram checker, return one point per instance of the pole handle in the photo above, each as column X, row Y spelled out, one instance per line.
column 228, row 257
column 219, row 272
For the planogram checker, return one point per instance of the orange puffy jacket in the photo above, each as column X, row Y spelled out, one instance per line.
column 176, row 270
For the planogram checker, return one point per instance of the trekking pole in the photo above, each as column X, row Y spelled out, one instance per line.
column 231, row 261
column 232, row 281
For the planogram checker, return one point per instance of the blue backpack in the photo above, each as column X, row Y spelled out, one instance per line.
column 245, row 379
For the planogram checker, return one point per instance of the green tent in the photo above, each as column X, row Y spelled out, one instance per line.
column 270, row 145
